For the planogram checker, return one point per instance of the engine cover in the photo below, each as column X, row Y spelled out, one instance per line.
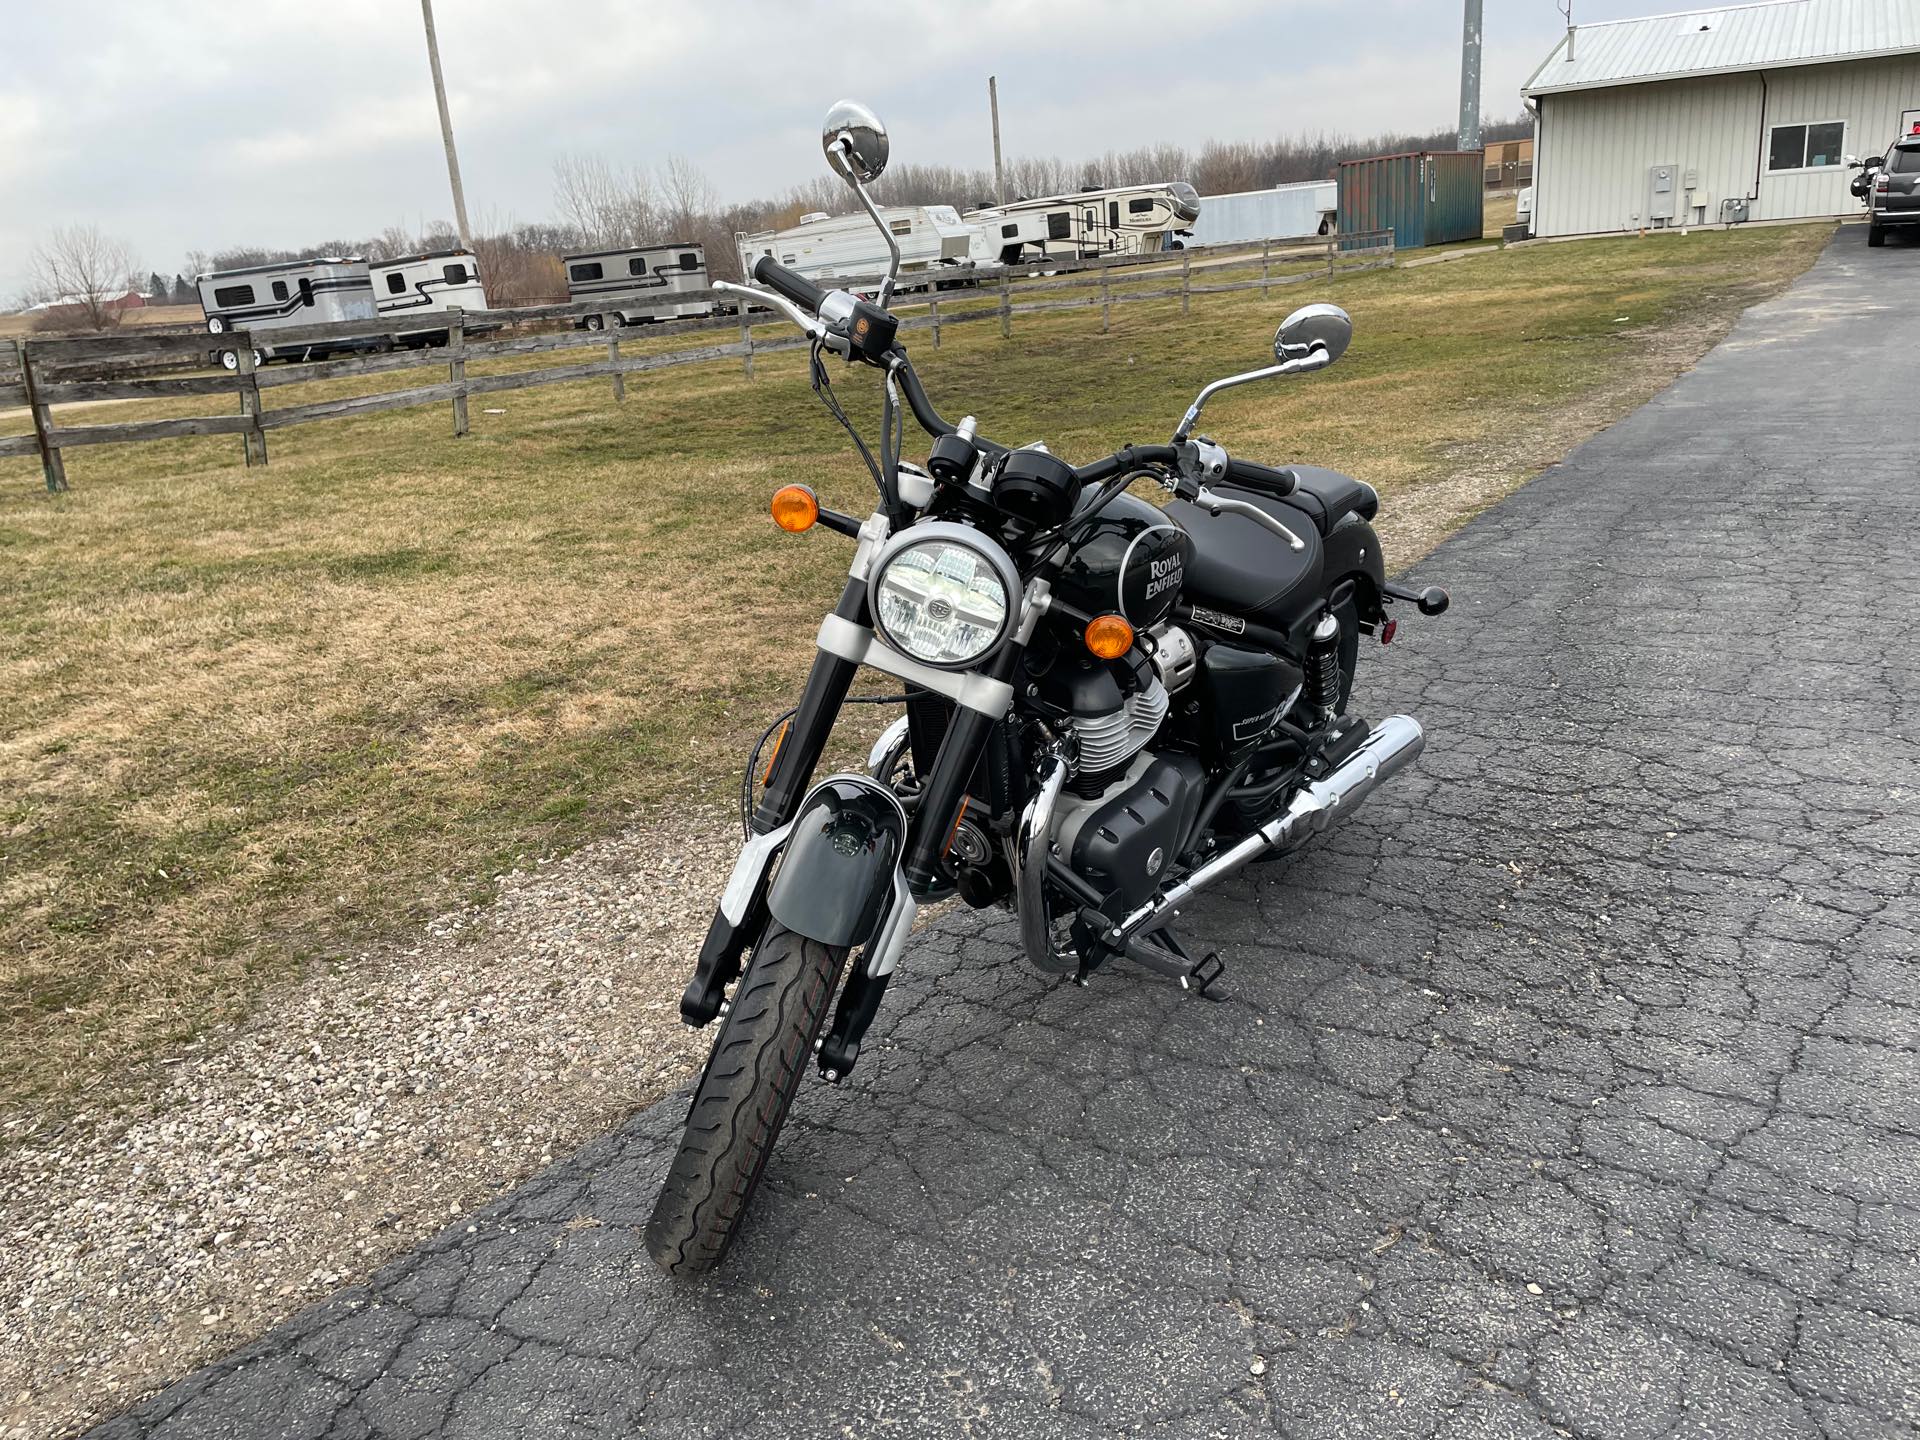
column 1122, row 842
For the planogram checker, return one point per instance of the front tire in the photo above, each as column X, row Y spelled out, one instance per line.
column 764, row 1045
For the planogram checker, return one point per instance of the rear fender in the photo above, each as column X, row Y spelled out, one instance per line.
column 1352, row 551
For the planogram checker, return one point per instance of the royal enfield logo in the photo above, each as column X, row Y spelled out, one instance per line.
column 1214, row 620
column 1163, row 575
column 938, row 609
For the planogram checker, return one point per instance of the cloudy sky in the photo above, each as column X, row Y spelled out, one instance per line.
column 199, row 125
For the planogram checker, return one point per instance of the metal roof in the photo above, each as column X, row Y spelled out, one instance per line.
column 1729, row 38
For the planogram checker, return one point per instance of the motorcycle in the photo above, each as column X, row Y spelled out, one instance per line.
column 1109, row 708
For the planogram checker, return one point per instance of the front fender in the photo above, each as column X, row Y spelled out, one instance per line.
column 836, row 876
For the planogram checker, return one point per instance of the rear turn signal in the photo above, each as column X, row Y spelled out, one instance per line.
column 1109, row 637
column 795, row 508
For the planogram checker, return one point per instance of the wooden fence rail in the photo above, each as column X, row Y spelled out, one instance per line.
column 36, row 375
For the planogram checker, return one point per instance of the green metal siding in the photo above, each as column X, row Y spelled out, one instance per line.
column 1430, row 198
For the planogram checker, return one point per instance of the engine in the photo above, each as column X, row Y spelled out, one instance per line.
column 1127, row 808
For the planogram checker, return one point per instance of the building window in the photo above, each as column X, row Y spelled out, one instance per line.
column 396, row 283
column 1806, row 147
column 589, row 271
column 233, row 295
column 279, row 289
column 455, row 274
column 637, row 266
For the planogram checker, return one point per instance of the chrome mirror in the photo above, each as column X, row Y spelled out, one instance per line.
column 1318, row 326
column 855, row 141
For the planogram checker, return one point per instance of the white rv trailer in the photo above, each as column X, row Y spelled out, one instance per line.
column 422, row 287
column 822, row 246
column 1124, row 220
column 262, row 298
column 1284, row 212
column 638, row 284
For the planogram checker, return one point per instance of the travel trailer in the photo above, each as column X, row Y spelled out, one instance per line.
column 262, row 298
column 638, row 284
column 822, row 246
column 1124, row 220
column 415, row 288
column 1282, row 212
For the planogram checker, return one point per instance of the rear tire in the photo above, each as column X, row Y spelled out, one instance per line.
column 764, row 1045
column 595, row 322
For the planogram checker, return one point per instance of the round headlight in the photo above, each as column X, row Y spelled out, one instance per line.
column 944, row 595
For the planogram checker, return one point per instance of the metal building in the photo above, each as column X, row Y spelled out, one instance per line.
column 1747, row 112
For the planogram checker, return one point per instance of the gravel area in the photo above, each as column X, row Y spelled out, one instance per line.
column 349, row 1119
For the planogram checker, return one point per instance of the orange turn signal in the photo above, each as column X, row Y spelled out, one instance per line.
column 795, row 508
column 1109, row 637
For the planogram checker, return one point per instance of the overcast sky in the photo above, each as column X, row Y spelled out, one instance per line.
column 194, row 125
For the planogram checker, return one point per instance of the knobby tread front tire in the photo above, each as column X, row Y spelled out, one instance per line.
column 764, row 1046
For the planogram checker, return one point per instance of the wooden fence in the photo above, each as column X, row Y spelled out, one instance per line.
column 151, row 364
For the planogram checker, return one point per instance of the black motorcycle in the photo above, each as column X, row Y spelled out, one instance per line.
column 1109, row 707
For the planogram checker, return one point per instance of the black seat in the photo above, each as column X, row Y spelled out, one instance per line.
column 1329, row 497
column 1245, row 569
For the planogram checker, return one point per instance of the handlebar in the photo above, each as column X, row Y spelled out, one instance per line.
column 797, row 288
column 1268, row 479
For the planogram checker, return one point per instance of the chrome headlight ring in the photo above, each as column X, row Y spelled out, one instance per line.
column 944, row 594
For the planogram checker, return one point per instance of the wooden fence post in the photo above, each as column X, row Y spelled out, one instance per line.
column 457, row 367
column 933, row 309
column 1331, row 247
column 51, row 464
column 1266, row 266
column 254, row 439
column 1186, row 271
column 619, row 380
column 746, row 339
column 1106, row 299
column 1006, row 306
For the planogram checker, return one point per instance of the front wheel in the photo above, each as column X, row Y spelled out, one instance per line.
column 764, row 1045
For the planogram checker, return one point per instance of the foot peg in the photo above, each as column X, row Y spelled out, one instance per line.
column 1432, row 600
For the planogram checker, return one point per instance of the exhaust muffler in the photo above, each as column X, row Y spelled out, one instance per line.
column 1393, row 745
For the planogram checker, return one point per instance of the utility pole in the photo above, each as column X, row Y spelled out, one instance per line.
column 999, row 175
column 1470, row 77
column 446, row 128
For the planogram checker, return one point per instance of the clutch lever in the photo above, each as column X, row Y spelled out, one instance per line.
column 1222, row 505
column 813, row 328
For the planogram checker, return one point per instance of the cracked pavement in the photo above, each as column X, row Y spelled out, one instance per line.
column 1570, row 1089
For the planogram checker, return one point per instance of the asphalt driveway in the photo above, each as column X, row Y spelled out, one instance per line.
column 1570, row 1090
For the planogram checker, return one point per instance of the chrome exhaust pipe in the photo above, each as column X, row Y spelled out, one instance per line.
column 1029, row 874
column 1393, row 745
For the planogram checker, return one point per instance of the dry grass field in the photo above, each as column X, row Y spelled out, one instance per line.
column 251, row 720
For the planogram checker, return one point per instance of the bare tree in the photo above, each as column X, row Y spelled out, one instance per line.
column 606, row 204
column 688, row 197
column 92, row 268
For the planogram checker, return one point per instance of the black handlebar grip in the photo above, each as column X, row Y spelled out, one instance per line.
column 1268, row 479
column 776, row 277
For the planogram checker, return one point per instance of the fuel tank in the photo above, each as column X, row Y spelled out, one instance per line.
column 1131, row 563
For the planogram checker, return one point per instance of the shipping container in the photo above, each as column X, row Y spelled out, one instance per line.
column 1433, row 197
column 1284, row 212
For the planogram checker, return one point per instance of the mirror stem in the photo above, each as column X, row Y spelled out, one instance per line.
column 842, row 159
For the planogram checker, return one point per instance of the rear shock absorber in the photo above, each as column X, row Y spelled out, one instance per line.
column 1323, row 666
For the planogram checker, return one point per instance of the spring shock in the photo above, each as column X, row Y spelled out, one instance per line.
column 1323, row 665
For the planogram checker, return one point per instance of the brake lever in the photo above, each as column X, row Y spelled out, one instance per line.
column 809, row 324
column 1221, row 505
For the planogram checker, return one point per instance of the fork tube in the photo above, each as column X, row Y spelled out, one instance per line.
column 806, row 738
column 953, row 768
